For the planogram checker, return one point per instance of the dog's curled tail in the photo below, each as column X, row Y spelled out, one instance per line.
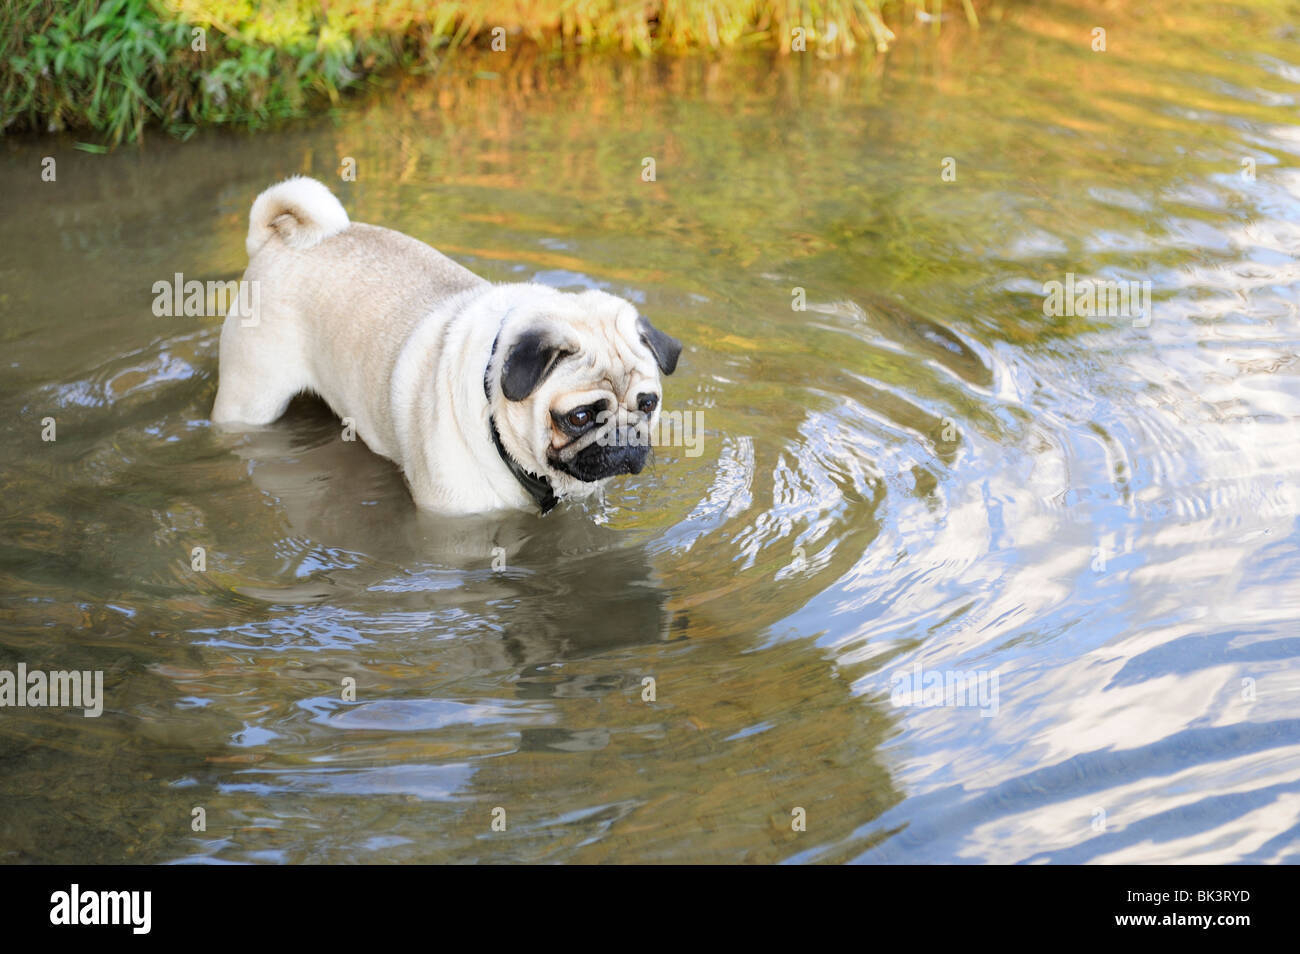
column 301, row 211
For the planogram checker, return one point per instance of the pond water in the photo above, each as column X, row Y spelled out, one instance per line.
column 1092, row 517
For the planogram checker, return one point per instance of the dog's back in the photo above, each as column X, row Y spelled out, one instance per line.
column 312, row 269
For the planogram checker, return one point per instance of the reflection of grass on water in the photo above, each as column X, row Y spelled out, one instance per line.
column 114, row 66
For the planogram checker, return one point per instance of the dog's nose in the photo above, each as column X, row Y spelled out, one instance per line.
column 637, row 435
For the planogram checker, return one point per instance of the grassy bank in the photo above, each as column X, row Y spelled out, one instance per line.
column 112, row 67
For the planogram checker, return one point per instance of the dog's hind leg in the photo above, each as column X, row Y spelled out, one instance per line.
column 260, row 372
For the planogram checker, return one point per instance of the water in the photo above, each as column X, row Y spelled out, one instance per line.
column 920, row 469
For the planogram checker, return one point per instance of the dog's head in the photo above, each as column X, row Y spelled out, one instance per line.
column 574, row 387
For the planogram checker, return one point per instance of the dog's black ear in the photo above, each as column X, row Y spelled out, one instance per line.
column 530, row 359
column 665, row 348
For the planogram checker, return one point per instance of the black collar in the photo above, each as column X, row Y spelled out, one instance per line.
column 539, row 488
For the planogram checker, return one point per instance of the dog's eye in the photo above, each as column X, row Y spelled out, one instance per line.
column 646, row 403
column 579, row 418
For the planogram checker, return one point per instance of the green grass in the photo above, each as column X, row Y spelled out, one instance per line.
column 114, row 67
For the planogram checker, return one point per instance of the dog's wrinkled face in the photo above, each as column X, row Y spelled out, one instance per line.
column 578, row 392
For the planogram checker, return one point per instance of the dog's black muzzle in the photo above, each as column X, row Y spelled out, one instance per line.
column 626, row 453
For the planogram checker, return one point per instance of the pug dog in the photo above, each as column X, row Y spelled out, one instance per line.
column 488, row 397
